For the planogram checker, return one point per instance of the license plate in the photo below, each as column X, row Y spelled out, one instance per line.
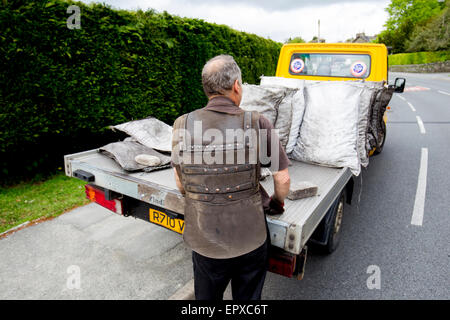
column 162, row 219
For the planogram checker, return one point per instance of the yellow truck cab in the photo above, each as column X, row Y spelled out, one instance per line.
column 340, row 62
column 333, row 61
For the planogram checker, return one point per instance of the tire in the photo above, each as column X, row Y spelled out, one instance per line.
column 381, row 138
column 334, row 235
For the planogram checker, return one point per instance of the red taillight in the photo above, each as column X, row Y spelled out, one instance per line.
column 282, row 263
column 287, row 264
column 98, row 196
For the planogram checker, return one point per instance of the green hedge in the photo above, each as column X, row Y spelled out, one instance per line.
column 418, row 57
column 61, row 88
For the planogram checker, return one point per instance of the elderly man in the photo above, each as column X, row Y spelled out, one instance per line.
column 225, row 225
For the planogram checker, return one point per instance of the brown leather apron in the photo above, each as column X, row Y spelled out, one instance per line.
column 223, row 210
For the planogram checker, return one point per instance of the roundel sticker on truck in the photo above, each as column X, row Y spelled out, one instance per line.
column 297, row 65
column 358, row 69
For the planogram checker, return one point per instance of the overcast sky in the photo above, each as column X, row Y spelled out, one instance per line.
column 277, row 19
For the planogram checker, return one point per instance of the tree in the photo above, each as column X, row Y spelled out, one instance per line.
column 295, row 40
column 433, row 36
column 404, row 16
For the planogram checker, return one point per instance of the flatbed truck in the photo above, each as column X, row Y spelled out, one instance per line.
column 154, row 197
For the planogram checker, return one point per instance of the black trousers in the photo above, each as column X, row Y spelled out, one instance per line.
column 247, row 274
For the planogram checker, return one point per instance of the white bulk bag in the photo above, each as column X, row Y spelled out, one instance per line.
column 272, row 102
column 329, row 131
column 151, row 132
column 297, row 104
column 265, row 100
column 282, row 82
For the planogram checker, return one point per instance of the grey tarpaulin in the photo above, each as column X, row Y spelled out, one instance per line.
column 150, row 132
column 329, row 131
column 383, row 96
column 297, row 105
column 124, row 152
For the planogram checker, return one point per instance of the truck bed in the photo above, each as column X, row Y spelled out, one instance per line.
column 289, row 231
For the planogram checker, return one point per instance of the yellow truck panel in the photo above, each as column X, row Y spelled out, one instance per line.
column 333, row 61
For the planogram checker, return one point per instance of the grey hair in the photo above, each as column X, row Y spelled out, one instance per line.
column 219, row 75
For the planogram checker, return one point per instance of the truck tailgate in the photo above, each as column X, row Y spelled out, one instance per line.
column 289, row 231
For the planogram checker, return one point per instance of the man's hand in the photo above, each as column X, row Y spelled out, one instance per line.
column 281, row 181
column 275, row 207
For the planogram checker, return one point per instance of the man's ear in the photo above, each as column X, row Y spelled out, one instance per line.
column 236, row 86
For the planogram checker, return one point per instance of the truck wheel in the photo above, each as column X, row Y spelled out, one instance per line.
column 381, row 138
column 336, row 223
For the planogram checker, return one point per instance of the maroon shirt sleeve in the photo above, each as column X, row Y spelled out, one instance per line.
column 269, row 133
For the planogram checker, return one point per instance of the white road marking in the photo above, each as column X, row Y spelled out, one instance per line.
column 412, row 107
column 419, row 203
column 416, row 88
column 421, row 126
column 443, row 92
column 402, row 98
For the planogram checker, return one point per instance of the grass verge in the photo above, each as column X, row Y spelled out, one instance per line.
column 30, row 200
column 418, row 58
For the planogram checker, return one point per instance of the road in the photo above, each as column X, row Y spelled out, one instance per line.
column 91, row 253
column 398, row 227
column 413, row 260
